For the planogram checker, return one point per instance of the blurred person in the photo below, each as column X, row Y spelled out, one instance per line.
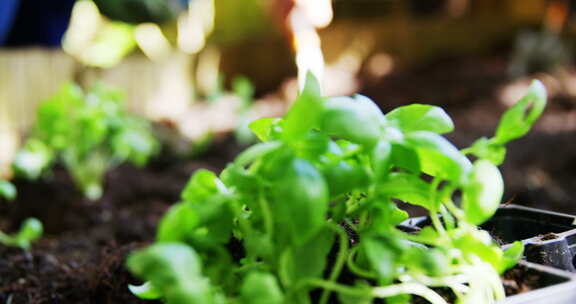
column 34, row 22
column 43, row 23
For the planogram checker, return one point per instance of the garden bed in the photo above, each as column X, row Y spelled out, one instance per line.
column 81, row 257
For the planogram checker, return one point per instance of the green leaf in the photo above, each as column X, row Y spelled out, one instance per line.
column 30, row 230
column 312, row 146
column 479, row 243
column 385, row 216
column 407, row 187
column 381, row 159
column 512, row 255
column 405, row 157
column 306, row 111
column 483, row 192
column 145, row 291
column 261, row 288
column 174, row 270
column 7, row 190
column 177, row 224
column 518, row 120
column 438, row 157
column 429, row 261
column 381, row 258
column 300, row 200
column 266, row 128
column 307, row 260
column 234, row 176
column 202, row 186
column 419, row 117
column 134, row 142
column 31, row 161
column 355, row 119
column 257, row 151
column 344, row 177
column 487, row 149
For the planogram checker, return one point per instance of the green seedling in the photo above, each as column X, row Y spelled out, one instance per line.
column 244, row 90
column 87, row 132
column 30, row 230
column 270, row 227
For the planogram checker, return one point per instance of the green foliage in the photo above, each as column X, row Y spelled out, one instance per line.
column 270, row 227
column 31, row 228
column 89, row 133
column 30, row 231
column 515, row 123
column 7, row 190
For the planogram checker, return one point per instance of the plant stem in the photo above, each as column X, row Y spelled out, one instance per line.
column 434, row 210
column 380, row 292
column 409, row 288
column 340, row 260
column 355, row 268
column 458, row 213
column 267, row 215
column 436, row 222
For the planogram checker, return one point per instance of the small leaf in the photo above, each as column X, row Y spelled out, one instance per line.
column 201, row 187
column 419, row 117
column 300, row 200
column 261, row 288
column 430, row 261
column 479, row 243
column 518, row 120
column 174, row 270
column 31, row 161
column 264, row 128
column 484, row 148
column 7, row 190
column 407, row 187
column 483, row 192
column 257, row 151
column 312, row 146
column 344, row 177
column 405, row 157
column 355, row 119
column 381, row 258
column 145, row 291
column 512, row 255
column 306, row 111
column 382, row 158
column 385, row 216
column 309, row 259
column 234, row 176
column 177, row 224
column 30, row 230
column 438, row 157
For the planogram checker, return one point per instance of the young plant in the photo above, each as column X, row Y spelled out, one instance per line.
column 89, row 133
column 310, row 214
column 29, row 231
column 244, row 90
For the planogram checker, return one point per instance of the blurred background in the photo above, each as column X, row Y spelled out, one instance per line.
column 185, row 65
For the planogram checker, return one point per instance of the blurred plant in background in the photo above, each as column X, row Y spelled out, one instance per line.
column 87, row 132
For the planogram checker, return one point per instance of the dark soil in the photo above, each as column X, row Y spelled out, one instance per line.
column 81, row 257
column 517, row 280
